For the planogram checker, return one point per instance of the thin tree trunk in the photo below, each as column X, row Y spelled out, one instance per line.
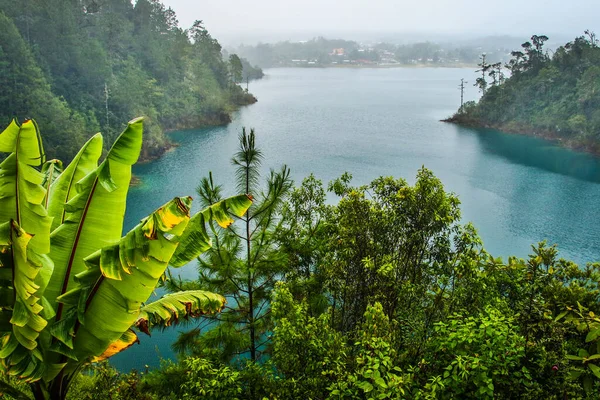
column 250, row 280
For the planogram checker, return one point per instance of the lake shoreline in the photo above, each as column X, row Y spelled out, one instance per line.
column 222, row 118
column 377, row 66
column 575, row 144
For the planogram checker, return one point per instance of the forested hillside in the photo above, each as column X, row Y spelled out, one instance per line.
column 83, row 66
column 552, row 95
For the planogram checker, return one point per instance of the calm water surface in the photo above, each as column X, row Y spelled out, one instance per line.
column 516, row 190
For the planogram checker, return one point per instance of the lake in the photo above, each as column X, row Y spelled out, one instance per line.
column 516, row 190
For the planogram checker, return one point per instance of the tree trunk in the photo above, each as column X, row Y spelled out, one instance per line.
column 250, row 280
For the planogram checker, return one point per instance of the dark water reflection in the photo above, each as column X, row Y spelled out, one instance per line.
column 539, row 153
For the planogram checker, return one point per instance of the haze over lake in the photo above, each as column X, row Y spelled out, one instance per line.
column 370, row 122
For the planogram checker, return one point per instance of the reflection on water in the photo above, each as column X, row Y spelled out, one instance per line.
column 521, row 190
column 539, row 153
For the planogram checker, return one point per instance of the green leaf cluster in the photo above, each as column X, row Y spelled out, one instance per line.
column 72, row 289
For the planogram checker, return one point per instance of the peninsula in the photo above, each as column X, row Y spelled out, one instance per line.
column 554, row 96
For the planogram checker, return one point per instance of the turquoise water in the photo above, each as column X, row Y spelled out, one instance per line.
column 516, row 190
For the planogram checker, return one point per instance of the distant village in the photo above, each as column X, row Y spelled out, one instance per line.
column 372, row 56
column 362, row 56
column 322, row 52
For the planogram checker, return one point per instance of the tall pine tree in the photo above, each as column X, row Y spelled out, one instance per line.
column 243, row 264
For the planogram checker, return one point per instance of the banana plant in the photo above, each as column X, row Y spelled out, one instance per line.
column 72, row 290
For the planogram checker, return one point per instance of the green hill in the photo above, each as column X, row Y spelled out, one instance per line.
column 556, row 95
column 92, row 65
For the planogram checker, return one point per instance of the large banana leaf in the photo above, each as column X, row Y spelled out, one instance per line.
column 18, row 347
column 167, row 311
column 194, row 240
column 128, row 339
column 62, row 189
column 120, row 278
column 172, row 308
column 21, row 193
column 24, row 239
column 114, row 276
column 93, row 216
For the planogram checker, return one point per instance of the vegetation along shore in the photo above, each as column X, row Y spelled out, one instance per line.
column 88, row 67
column 556, row 97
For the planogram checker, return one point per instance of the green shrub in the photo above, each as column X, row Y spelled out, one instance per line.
column 479, row 356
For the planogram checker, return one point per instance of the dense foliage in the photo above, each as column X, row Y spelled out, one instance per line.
column 72, row 288
column 87, row 66
column 381, row 295
column 557, row 96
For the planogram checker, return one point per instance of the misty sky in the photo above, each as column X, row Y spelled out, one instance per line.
column 246, row 21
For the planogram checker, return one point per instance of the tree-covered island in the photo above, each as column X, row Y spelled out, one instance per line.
column 555, row 95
